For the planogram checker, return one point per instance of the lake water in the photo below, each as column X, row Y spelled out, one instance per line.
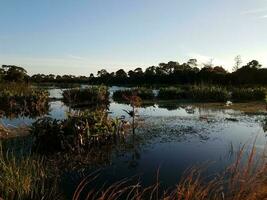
column 170, row 137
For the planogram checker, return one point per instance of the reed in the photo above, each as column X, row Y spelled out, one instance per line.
column 172, row 93
column 94, row 95
column 26, row 177
column 22, row 100
column 143, row 93
column 248, row 94
column 79, row 131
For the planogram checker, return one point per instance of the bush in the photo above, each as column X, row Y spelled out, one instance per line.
column 95, row 95
column 143, row 93
column 244, row 94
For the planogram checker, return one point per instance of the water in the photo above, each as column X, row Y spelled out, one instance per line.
column 171, row 137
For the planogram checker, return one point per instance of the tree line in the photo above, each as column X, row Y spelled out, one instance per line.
column 165, row 73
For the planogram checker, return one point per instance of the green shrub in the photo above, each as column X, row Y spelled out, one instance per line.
column 95, row 95
column 246, row 94
column 143, row 93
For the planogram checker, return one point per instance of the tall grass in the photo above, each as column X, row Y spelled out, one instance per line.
column 248, row 94
column 245, row 179
column 173, row 93
column 196, row 93
column 22, row 99
column 209, row 93
column 143, row 93
column 94, row 95
column 79, row 131
column 26, row 177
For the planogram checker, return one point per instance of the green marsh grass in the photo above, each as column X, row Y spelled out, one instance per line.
column 248, row 94
column 26, row 177
column 94, row 95
column 22, row 99
column 143, row 93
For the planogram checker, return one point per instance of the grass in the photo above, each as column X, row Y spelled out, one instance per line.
column 26, row 177
column 248, row 94
column 22, row 100
column 171, row 93
column 245, row 179
column 209, row 93
column 143, row 93
column 199, row 93
column 80, row 130
column 94, row 95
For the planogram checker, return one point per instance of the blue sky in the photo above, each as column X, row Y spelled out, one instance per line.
column 82, row 36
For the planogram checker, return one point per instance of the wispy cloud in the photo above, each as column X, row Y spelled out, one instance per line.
column 254, row 11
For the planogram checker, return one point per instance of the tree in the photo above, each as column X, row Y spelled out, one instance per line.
column 121, row 74
column 254, row 64
column 238, row 62
column 14, row 73
column 192, row 63
column 102, row 73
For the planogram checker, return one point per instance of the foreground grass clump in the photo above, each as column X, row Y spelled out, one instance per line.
column 95, row 95
column 79, row 131
column 248, row 94
column 245, row 179
column 143, row 93
column 26, row 178
column 22, row 99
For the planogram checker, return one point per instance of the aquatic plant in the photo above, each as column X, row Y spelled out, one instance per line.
column 80, row 130
column 94, row 95
column 26, row 177
column 248, row 94
column 135, row 102
column 22, row 100
column 143, row 93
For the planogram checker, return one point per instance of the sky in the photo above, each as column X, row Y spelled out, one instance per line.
column 83, row 36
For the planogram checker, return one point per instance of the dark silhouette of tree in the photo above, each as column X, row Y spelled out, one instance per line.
column 169, row 73
column 14, row 73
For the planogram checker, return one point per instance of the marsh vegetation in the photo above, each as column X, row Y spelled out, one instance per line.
column 99, row 142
